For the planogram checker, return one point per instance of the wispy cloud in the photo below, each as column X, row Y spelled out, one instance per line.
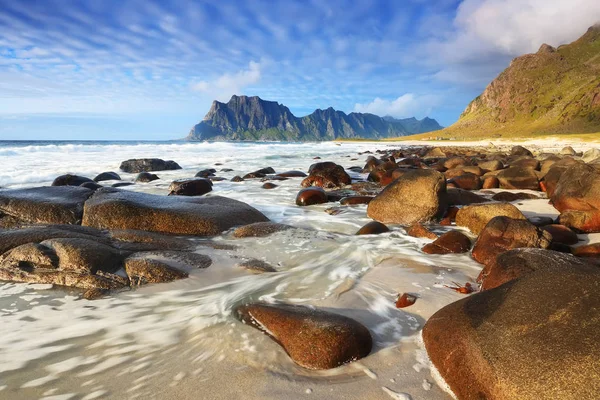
column 229, row 84
column 407, row 105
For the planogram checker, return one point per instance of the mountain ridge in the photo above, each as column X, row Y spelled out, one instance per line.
column 552, row 91
column 252, row 118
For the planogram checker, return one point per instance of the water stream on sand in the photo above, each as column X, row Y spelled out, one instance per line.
column 179, row 340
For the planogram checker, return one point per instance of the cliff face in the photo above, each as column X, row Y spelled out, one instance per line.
column 551, row 91
column 251, row 118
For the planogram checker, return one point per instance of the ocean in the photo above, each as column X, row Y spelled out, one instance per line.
column 179, row 339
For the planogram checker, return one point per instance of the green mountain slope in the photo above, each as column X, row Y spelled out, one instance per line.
column 554, row 91
column 251, row 118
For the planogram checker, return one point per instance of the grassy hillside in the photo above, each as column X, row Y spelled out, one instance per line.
column 554, row 91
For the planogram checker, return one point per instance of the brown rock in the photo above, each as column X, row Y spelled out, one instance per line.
column 405, row 300
column 543, row 325
column 313, row 338
column 373, row 228
column 491, row 182
column 503, row 233
column 61, row 278
column 141, row 270
column 526, row 162
column 418, row 196
column 467, row 181
column 45, row 205
column 553, row 175
column 491, row 165
column 518, row 178
column 327, row 175
column 146, row 177
column 237, row 178
column 269, row 185
column 353, row 200
column 84, row 256
column 581, row 221
column 455, row 162
column 508, row 197
column 112, row 208
column 449, row 242
column 310, row 196
column 292, row 174
column 561, row 234
column 578, row 189
column 477, row 216
column 419, row 231
column 450, row 216
column 190, row 187
column 260, row 229
column 588, row 250
column 257, row 266
column 31, row 255
column 520, row 151
column 515, row 263
column 461, row 197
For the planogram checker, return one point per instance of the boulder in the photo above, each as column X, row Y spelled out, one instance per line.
column 269, row 185
column 518, row 178
column 292, row 174
column 509, row 197
column 449, row 242
column 32, row 255
column 532, row 338
column 237, row 178
column 353, row 200
column 526, row 162
column 61, row 278
column 520, row 151
column 260, row 229
column 84, row 255
column 135, row 166
column 70, row 180
column 587, row 250
column 256, row 266
column 561, row 234
column 477, row 216
column 455, row 162
column 111, row 208
column 327, row 175
column 310, row 196
column 466, row 181
column 490, row 182
column 107, row 176
column 581, row 221
column 45, row 205
column 553, row 175
column 568, row 151
column 190, row 187
column 91, row 185
column 591, row 155
column 313, row 338
column 515, row 263
column 417, row 196
column 373, row 228
column 142, row 270
column 434, row 152
column 146, row 177
column 490, row 165
column 503, row 233
column 578, row 189
column 419, row 231
column 180, row 260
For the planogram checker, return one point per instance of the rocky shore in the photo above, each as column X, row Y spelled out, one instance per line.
column 525, row 329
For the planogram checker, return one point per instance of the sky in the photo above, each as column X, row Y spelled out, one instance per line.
column 144, row 69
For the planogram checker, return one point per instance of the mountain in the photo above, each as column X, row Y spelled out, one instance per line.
column 551, row 91
column 251, row 118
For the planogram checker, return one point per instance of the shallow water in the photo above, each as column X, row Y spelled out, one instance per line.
column 172, row 340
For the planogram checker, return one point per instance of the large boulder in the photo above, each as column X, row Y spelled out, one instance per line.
column 111, row 208
column 578, row 189
column 518, row 178
column 84, row 255
column 503, row 233
column 313, row 338
column 138, row 165
column 419, row 195
column 532, row 338
column 327, row 175
column 476, row 217
column 45, row 205
column 515, row 263
column 553, row 175
column 581, row 221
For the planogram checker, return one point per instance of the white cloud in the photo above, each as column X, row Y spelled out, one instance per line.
column 407, row 105
column 227, row 85
column 513, row 27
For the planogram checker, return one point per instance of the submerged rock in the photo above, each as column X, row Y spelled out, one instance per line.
column 146, row 177
column 138, row 165
column 107, row 176
column 70, row 180
column 112, row 208
column 532, row 338
column 142, row 270
column 310, row 196
column 449, row 242
column 260, row 229
column 257, row 266
column 373, row 228
column 313, row 338
column 190, row 187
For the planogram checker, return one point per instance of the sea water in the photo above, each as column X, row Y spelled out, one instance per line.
column 54, row 342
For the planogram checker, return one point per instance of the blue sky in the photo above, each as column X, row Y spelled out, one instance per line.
column 142, row 69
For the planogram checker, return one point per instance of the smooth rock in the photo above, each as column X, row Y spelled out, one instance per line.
column 310, row 196
column 313, row 338
column 70, row 180
column 449, row 242
column 138, row 165
column 419, row 231
column 146, row 177
column 260, row 229
column 373, row 228
column 107, row 176
column 190, row 187
column 518, row 178
column 477, row 216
